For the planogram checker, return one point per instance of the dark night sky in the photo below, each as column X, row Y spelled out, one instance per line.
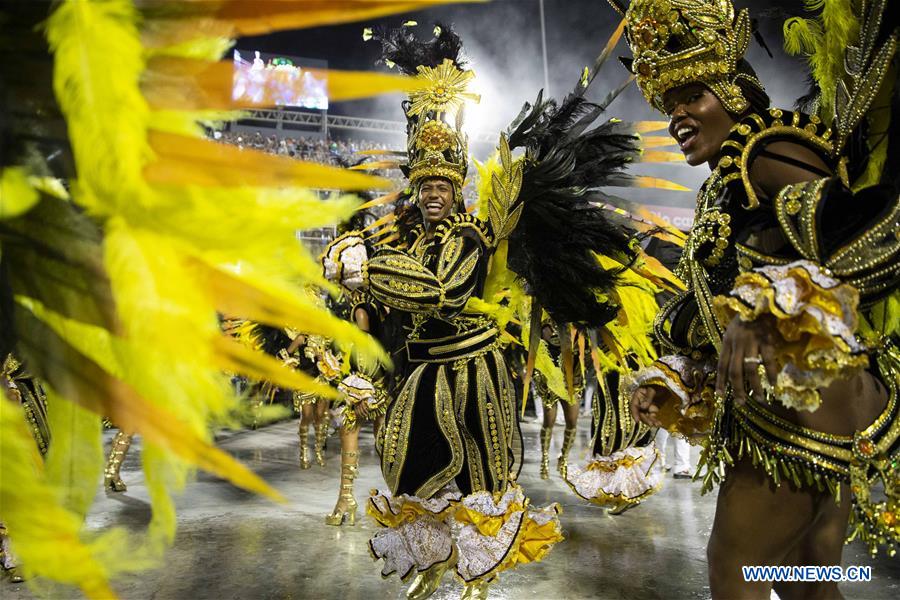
column 503, row 43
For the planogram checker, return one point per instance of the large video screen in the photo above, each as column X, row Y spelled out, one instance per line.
column 270, row 79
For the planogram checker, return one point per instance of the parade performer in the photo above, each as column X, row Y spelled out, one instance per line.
column 363, row 398
column 326, row 362
column 782, row 351
column 449, row 444
column 19, row 386
column 550, row 385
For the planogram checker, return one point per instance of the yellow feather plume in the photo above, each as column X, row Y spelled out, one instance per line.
column 171, row 230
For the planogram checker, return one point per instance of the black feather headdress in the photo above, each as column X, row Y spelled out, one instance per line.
column 436, row 144
column 401, row 47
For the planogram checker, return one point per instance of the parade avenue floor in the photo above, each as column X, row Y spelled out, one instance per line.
column 234, row 545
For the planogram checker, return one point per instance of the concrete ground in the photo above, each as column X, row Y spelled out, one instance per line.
column 234, row 545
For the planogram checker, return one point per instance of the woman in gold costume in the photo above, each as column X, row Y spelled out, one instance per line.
column 364, row 398
column 782, row 351
column 316, row 357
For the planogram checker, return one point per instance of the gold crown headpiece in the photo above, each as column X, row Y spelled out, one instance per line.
column 437, row 146
column 677, row 42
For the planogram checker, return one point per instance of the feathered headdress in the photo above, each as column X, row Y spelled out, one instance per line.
column 436, row 144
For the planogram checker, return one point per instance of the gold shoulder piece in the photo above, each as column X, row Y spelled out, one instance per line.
column 503, row 214
column 751, row 134
column 460, row 221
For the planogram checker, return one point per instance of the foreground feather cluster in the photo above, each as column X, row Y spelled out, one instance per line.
column 111, row 291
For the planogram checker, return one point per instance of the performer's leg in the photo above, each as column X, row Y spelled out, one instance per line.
column 346, row 504
column 321, row 430
column 376, row 425
column 570, row 412
column 307, row 416
column 662, row 439
column 111, row 479
column 747, row 500
column 822, row 546
column 800, row 524
column 683, row 466
column 546, row 434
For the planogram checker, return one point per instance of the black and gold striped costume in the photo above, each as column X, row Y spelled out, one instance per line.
column 454, row 417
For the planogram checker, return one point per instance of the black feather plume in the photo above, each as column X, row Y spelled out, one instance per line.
column 271, row 339
column 401, row 47
column 562, row 228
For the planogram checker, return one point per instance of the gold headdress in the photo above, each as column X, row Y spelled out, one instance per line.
column 676, row 42
column 436, row 145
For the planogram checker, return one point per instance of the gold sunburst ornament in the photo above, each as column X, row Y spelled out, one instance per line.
column 444, row 89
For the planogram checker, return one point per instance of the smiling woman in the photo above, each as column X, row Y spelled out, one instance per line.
column 698, row 122
column 782, row 350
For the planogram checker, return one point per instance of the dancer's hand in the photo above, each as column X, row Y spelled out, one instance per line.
column 362, row 410
column 643, row 408
column 747, row 348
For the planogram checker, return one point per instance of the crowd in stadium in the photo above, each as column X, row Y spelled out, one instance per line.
column 321, row 150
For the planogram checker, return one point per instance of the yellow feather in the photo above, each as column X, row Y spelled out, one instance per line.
column 75, row 456
column 175, row 82
column 49, row 545
column 181, row 219
column 17, row 196
column 183, row 160
column 650, row 126
column 660, row 184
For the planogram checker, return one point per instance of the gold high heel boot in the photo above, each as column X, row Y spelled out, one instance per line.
column 303, row 433
column 546, row 433
column 349, row 469
column 117, row 452
column 562, row 465
column 476, row 591
column 321, row 435
column 426, row 583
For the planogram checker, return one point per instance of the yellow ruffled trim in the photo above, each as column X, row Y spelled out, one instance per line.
column 488, row 525
column 690, row 421
column 410, row 511
column 816, row 354
column 533, row 543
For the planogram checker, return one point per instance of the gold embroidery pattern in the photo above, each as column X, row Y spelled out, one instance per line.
column 444, row 413
column 396, row 430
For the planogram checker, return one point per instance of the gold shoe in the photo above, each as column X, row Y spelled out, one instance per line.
column 321, row 435
column 562, row 465
column 346, row 505
column 14, row 575
column 477, row 590
column 620, row 508
column 427, row 582
column 546, row 433
column 111, row 479
column 303, row 433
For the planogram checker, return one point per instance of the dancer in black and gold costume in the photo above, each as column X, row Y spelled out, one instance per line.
column 451, row 447
column 550, row 384
column 364, row 398
column 19, row 385
column 783, row 348
column 446, row 445
column 315, row 357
